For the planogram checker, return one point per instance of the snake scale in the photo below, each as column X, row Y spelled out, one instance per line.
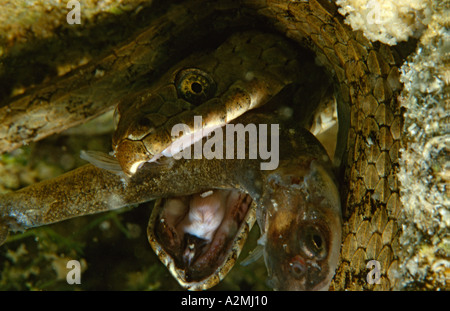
column 365, row 74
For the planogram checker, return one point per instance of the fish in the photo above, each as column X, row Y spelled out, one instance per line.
column 301, row 222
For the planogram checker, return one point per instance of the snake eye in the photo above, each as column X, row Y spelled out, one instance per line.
column 313, row 243
column 195, row 86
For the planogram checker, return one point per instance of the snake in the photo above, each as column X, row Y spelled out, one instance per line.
column 366, row 80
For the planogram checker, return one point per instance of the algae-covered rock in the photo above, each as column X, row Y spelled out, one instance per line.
column 425, row 160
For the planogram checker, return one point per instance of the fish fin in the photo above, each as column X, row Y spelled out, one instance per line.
column 102, row 160
column 253, row 256
column 263, row 238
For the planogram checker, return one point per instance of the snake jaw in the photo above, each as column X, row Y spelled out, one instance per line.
column 199, row 239
column 131, row 154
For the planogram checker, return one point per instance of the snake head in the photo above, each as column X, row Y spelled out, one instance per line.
column 201, row 93
column 302, row 227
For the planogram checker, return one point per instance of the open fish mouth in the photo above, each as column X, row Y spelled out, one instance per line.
column 198, row 237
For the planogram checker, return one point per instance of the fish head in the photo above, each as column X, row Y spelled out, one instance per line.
column 302, row 217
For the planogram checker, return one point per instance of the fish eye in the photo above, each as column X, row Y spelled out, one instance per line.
column 195, row 85
column 313, row 243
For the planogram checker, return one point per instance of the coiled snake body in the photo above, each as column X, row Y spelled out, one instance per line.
column 365, row 75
